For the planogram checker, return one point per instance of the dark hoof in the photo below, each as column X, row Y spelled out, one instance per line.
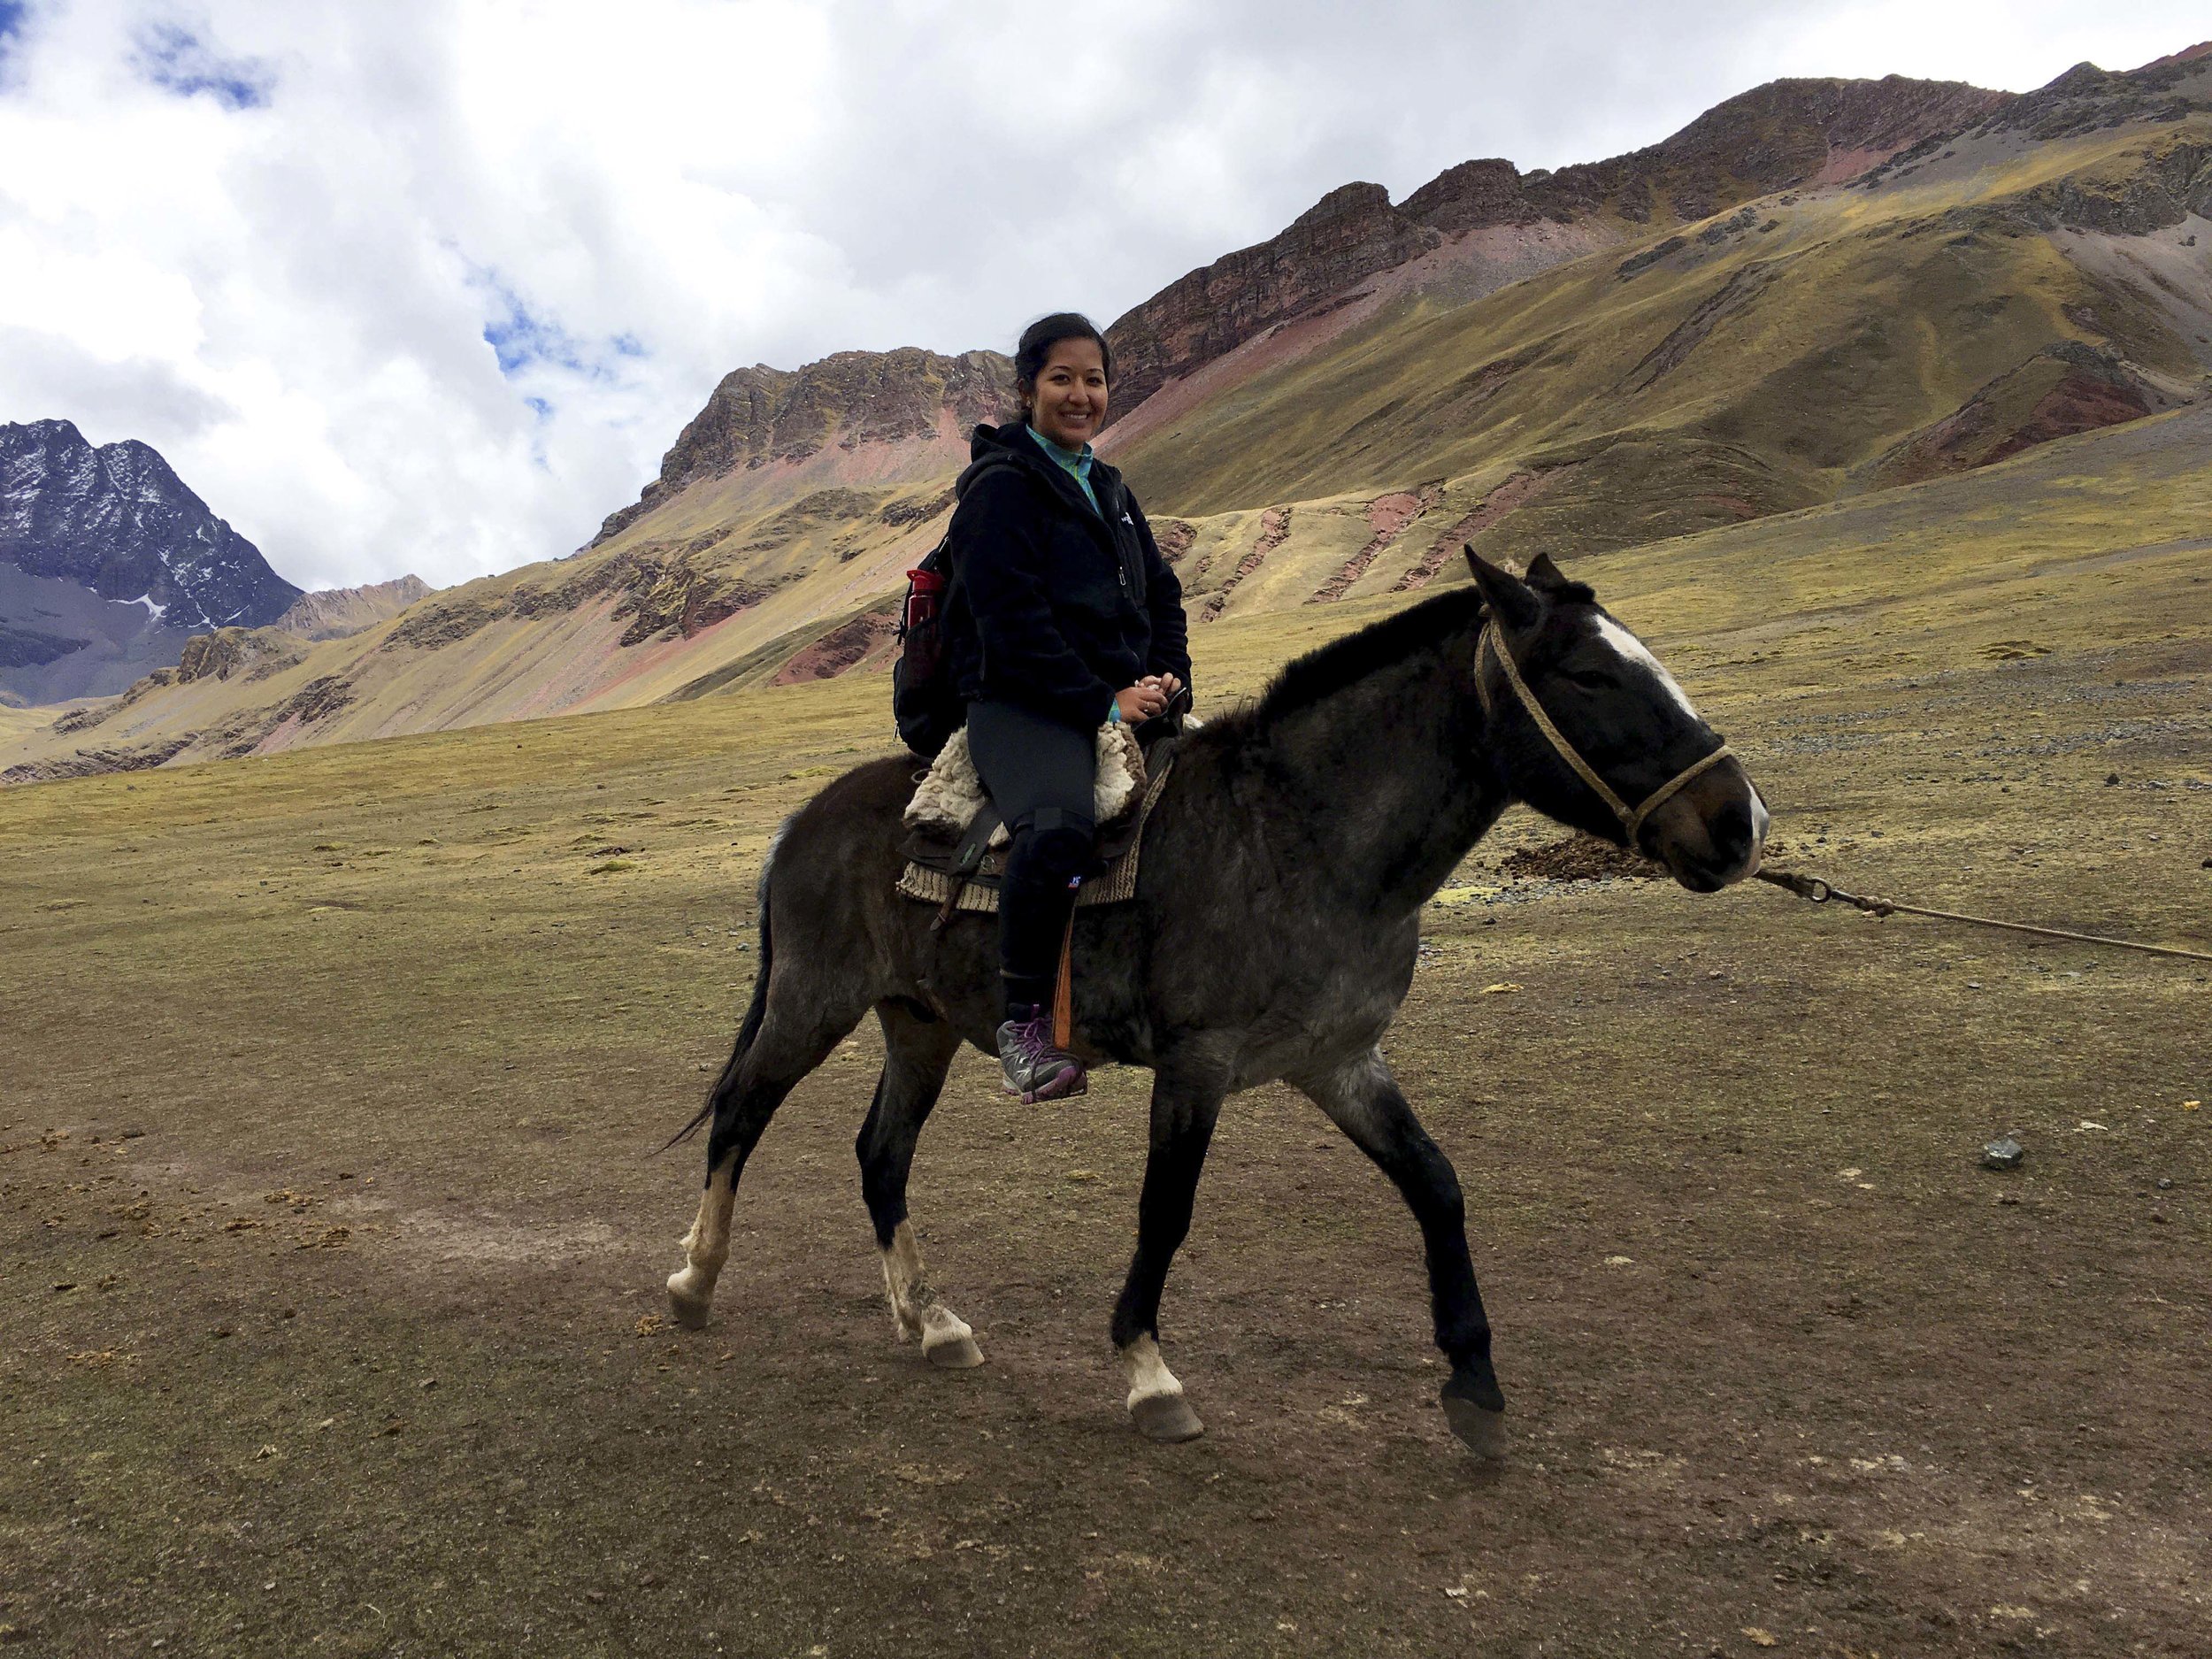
column 1476, row 1409
column 1483, row 1433
column 1167, row 1418
column 688, row 1309
column 957, row 1352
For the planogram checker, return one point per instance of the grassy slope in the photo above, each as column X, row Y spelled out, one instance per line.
column 1868, row 321
column 560, row 659
column 355, row 1348
column 1858, row 318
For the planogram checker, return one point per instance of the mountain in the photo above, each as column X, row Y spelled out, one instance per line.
column 112, row 563
column 1482, row 224
column 118, row 520
column 763, row 551
column 337, row 613
column 1891, row 281
column 905, row 413
column 1763, row 358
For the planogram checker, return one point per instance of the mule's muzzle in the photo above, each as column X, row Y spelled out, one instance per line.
column 1710, row 834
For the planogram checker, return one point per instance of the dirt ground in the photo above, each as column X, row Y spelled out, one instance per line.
column 331, row 1230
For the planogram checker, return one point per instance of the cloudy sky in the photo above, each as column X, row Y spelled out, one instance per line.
column 429, row 284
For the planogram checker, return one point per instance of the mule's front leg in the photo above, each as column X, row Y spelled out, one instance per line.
column 1183, row 1117
column 917, row 1052
column 1362, row 1099
column 946, row 1339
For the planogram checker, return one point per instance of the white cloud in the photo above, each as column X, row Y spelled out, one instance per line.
column 271, row 238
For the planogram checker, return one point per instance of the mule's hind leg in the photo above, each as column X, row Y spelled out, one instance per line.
column 789, row 1044
column 1184, row 1111
column 1362, row 1099
column 917, row 1050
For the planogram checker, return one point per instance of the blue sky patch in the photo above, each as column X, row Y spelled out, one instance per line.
column 179, row 61
column 14, row 13
column 523, row 340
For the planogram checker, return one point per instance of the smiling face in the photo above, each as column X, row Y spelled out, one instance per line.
column 1068, row 402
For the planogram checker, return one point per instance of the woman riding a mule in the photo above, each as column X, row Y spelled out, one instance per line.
column 1286, row 864
column 1072, row 620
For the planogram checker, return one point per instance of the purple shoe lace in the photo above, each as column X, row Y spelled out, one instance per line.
column 1035, row 1069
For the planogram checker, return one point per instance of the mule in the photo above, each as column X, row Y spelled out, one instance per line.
column 1274, row 935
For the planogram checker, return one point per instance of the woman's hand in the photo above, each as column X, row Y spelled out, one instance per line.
column 1140, row 701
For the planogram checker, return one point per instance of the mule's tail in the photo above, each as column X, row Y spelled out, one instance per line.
column 750, row 1029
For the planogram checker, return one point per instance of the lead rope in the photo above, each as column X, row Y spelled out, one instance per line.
column 1821, row 891
column 1816, row 889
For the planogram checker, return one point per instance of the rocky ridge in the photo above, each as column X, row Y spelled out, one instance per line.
column 758, row 415
column 2087, row 99
column 335, row 613
column 1786, row 133
column 2064, row 389
column 119, row 521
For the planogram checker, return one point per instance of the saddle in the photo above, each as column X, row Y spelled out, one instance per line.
column 956, row 845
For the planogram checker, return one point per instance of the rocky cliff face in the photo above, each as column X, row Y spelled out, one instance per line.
column 117, row 521
column 334, row 613
column 1348, row 234
column 760, row 415
column 1786, row 133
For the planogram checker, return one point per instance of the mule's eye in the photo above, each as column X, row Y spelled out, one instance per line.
column 1583, row 678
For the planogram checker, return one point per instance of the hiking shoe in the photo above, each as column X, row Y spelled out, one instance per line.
column 1035, row 1070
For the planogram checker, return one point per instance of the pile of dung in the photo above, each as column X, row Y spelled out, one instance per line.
column 1579, row 859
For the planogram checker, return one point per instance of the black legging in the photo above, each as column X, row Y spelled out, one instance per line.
column 1041, row 776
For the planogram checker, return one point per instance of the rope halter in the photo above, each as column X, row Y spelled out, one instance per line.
column 1631, row 819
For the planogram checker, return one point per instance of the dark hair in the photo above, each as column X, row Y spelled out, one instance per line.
column 1041, row 336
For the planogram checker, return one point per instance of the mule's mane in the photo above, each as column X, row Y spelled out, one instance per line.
column 1308, row 680
column 1340, row 663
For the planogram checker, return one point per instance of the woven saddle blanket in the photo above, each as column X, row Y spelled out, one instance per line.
column 956, row 847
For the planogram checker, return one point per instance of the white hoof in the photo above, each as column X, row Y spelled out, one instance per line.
column 690, row 1298
column 1156, row 1405
column 948, row 1342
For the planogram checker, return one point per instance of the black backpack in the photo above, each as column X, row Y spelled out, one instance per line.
column 925, row 702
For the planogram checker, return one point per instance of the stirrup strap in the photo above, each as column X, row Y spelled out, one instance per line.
column 1064, row 992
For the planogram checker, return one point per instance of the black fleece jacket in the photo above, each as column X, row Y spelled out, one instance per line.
column 1065, row 606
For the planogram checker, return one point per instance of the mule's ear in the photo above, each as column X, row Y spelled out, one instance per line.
column 1511, row 600
column 1545, row 576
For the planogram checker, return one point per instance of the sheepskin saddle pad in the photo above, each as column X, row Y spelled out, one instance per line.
column 956, row 847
